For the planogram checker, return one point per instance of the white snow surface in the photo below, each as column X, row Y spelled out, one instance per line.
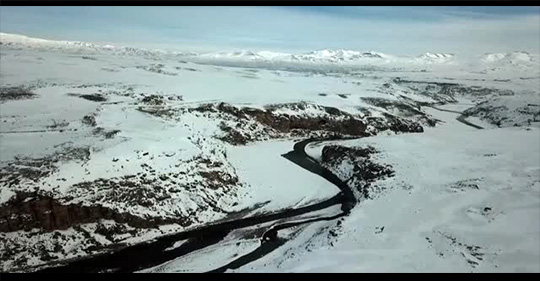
column 461, row 199
column 275, row 179
column 433, row 215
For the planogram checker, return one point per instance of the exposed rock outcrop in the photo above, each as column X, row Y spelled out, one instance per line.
column 28, row 211
column 243, row 125
column 355, row 167
column 15, row 93
column 402, row 108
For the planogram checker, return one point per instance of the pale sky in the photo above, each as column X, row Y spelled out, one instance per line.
column 392, row 30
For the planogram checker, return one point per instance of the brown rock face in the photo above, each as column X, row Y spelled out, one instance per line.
column 331, row 120
column 334, row 120
column 364, row 171
column 216, row 179
column 394, row 124
column 26, row 211
column 285, row 123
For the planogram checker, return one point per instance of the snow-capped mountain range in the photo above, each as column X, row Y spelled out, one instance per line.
column 437, row 58
column 512, row 58
column 346, row 57
column 325, row 57
column 22, row 41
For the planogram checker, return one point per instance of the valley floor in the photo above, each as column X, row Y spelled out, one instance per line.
column 462, row 200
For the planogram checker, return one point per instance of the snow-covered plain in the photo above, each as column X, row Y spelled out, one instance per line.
column 462, row 199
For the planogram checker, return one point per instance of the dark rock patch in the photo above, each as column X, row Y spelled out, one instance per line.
column 153, row 100
column 243, row 125
column 91, row 97
column 364, row 170
column 402, row 109
column 331, row 120
column 157, row 68
column 188, row 69
column 31, row 170
column 108, row 134
column 15, row 93
column 26, row 211
column 465, row 185
column 89, row 120
column 56, row 125
column 447, row 92
column 502, row 116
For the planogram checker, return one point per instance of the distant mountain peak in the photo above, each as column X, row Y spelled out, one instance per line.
column 316, row 57
column 513, row 57
column 17, row 40
column 429, row 55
